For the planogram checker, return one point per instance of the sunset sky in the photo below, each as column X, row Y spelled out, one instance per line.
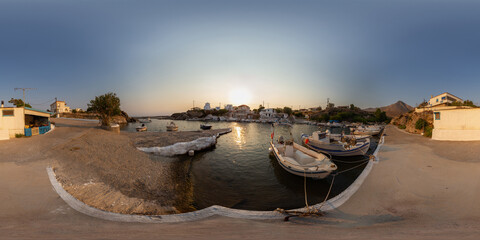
column 160, row 56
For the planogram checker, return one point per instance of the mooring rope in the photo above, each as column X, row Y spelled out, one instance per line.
column 340, row 161
column 315, row 211
column 305, row 187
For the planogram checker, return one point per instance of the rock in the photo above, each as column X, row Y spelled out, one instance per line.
column 179, row 116
column 409, row 119
column 128, row 118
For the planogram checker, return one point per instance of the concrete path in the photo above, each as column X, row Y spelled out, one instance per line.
column 414, row 192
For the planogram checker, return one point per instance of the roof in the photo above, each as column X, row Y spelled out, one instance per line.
column 37, row 110
column 243, row 106
column 444, row 93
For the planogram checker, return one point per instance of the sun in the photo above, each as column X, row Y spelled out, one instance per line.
column 238, row 96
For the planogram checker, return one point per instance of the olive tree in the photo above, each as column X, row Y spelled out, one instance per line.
column 106, row 106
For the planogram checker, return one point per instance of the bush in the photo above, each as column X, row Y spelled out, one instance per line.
column 19, row 135
column 402, row 126
column 428, row 131
column 421, row 123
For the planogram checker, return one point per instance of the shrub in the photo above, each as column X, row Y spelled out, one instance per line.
column 19, row 135
column 421, row 123
column 402, row 126
column 428, row 131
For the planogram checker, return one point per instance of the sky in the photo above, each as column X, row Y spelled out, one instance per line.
column 162, row 57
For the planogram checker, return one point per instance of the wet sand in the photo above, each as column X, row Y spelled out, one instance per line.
column 419, row 189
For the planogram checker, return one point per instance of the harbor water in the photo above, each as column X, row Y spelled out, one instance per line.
column 240, row 173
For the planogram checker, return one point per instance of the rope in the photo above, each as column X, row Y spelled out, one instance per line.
column 346, row 170
column 340, row 161
column 328, row 194
column 305, row 188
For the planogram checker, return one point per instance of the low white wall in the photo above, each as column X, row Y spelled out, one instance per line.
column 456, row 135
column 4, row 135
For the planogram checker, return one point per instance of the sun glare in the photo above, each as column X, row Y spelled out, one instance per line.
column 239, row 96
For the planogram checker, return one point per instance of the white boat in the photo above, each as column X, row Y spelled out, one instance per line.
column 366, row 130
column 172, row 127
column 301, row 161
column 145, row 120
column 142, row 128
column 345, row 146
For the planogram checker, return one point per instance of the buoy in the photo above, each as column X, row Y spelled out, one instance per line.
column 191, row 153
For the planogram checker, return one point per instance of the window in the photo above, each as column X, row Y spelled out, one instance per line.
column 437, row 99
column 437, row 115
column 443, row 98
column 7, row 113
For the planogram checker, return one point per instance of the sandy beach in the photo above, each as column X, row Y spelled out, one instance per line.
column 420, row 189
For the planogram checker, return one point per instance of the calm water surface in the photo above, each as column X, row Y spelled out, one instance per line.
column 240, row 173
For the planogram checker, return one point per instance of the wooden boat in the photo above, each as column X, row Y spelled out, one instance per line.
column 343, row 146
column 301, row 161
column 172, row 127
column 205, row 126
column 142, row 128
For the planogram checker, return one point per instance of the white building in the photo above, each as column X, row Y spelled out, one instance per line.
column 444, row 99
column 59, row 107
column 456, row 125
column 267, row 113
column 25, row 121
column 207, row 106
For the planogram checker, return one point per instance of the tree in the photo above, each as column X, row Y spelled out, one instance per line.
column 106, row 106
column 279, row 110
column 19, row 103
column 288, row 111
column 380, row 116
column 260, row 108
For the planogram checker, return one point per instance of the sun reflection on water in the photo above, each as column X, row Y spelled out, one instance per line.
column 239, row 137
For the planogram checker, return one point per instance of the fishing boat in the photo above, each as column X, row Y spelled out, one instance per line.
column 366, row 130
column 205, row 126
column 141, row 128
column 343, row 146
column 145, row 120
column 301, row 161
column 172, row 127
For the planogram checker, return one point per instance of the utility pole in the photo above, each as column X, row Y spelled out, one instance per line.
column 24, row 101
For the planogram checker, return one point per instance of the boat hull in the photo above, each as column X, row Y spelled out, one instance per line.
column 336, row 150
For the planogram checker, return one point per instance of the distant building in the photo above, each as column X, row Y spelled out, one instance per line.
column 241, row 112
column 217, row 108
column 229, row 107
column 267, row 113
column 456, row 124
column 443, row 99
column 207, row 106
column 28, row 122
column 59, row 107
